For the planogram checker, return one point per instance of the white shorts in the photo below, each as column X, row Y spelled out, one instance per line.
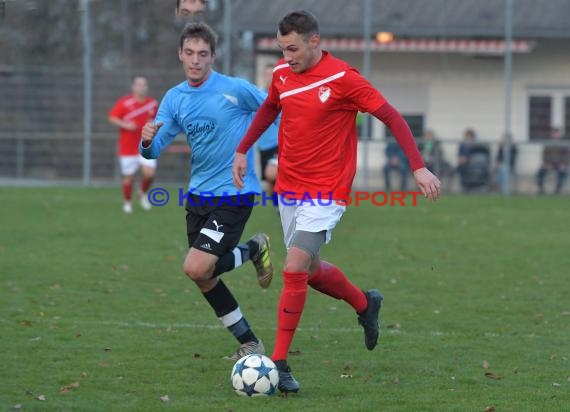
column 308, row 217
column 130, row 164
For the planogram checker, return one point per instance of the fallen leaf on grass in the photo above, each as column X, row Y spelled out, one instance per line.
column 70, row 387
column 295, row 352
column 17, row 406
column 83, row 375
column 568, row 380
column 108, row 349
column 556, row 384
column 345, row 375
column 197, row 356
column 41, row 397
column 165, row 398
column 393, row 326
column 489, row 409
column 25, row 323
column 485, row 364
column 396, row 381
column 492, row 375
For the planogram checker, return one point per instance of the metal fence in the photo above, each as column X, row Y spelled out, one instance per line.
column 38, row 157
column 43, row 100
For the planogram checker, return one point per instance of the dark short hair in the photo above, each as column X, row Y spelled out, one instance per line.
column 199, row 30
column 178, row 3
column 301, row 22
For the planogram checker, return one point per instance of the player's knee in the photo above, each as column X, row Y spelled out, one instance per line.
column 296, row 267
column 304, row 250
column 196, row 271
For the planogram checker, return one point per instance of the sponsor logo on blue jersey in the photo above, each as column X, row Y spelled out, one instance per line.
column 201, row 126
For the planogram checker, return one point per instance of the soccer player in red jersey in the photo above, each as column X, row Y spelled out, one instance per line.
column 319, row 96
column 130, row 114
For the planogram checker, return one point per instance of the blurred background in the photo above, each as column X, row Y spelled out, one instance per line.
column 471, row 77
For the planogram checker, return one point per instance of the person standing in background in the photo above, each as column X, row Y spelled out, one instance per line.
column 130, row 113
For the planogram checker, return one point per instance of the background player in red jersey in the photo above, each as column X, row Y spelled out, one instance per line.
column 319, row 96
column 130, row 114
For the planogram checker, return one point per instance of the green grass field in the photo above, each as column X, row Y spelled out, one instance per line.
column 477, row 309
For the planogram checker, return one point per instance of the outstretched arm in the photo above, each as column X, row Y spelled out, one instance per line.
column 266, row 115
column 427, row 181
column 160, row 133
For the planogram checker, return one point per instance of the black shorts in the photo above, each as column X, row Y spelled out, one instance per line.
column 264, row 157
column 217, row 228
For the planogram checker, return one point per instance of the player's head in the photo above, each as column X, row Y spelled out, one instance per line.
column 299, row 40
column 139, row 87
column 268, row 75
column 190, row 9
column 197, row 51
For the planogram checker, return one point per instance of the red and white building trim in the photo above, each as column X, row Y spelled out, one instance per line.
column 489, row 47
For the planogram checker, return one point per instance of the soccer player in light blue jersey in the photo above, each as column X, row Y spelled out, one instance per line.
column 214, row 111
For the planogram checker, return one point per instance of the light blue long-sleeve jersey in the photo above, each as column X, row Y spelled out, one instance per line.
column 214, row 116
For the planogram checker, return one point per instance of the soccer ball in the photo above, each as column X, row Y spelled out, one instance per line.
column 254, row 375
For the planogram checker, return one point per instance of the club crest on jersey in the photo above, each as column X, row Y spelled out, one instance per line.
column 324, row 93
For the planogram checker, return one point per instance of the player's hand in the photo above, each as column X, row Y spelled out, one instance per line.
column 131, row 126
column 239, row 169
column 428, row 183
column 150, row 130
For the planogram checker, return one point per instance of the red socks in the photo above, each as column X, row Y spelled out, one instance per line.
column 127, row 191
column 291, row 304
column 330, row 280
column 146, row 182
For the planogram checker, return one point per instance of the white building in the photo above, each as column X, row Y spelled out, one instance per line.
column 444, row 68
